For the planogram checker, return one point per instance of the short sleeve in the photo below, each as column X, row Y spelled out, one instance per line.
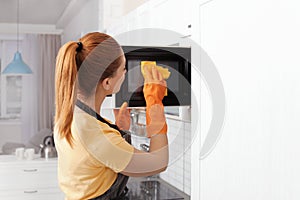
column 102, row 142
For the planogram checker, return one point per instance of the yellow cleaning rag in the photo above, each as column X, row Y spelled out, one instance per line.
column 164, row 71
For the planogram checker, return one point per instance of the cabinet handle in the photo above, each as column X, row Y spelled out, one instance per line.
column 30, row 170
column 30, row 192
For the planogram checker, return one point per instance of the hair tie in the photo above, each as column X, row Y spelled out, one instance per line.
column 79, row 48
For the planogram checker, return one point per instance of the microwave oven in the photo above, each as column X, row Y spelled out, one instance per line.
column 178, row 62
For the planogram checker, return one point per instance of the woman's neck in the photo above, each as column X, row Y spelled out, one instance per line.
column 94, row 101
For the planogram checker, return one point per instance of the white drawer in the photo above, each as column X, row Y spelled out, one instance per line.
column 28, row 175
column 29, row 180
column 29, row 193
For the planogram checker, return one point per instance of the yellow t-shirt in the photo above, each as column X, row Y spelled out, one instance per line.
column 99, row 152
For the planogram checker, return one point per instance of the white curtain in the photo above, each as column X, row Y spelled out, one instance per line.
column 49, row 46
column 39, row 52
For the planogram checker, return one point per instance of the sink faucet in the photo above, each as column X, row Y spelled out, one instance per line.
column 134, row 115
column 137, row 128
column 145, row 147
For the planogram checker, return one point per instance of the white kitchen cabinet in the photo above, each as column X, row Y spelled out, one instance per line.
column 254, row 46
column 34, row 179
column 160, row 18
column 163, row 14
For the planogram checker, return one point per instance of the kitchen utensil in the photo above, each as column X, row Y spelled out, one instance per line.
column 47, row 148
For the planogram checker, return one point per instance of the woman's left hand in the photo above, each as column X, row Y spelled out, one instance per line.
column 122, row 117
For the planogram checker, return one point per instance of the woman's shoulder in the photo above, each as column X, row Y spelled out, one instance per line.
column 83, row 120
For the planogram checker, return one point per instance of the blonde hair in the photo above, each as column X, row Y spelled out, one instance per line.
column 99, row 58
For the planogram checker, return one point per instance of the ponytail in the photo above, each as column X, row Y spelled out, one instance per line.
column 65, row 80
column 98, row 56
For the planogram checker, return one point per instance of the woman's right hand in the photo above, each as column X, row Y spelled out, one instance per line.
column 154, row 86
column 154, row 92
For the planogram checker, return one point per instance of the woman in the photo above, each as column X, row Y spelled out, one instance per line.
column 94, row 159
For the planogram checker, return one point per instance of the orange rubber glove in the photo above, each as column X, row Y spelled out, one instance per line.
column 154, row 91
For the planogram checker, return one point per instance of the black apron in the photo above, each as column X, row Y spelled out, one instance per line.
column 118, row 190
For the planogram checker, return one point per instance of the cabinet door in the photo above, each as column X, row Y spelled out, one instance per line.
column 171, row 15
column 28, row 174
column 170, row 21
column 253, row 45
column 28, row 179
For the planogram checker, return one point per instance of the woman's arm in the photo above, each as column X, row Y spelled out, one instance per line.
column 156, row 160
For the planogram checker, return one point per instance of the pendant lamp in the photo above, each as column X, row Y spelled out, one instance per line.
column 17, row 65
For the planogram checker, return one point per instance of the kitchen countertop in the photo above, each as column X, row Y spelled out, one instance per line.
column 151, row 188
column 6, row 159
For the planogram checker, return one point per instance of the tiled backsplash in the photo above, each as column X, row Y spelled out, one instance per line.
column 178, row 172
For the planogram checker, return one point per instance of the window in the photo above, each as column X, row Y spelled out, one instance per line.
column 13, row 95
column 10, row 85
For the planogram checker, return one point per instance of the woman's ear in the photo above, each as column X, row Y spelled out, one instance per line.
column 106, row 84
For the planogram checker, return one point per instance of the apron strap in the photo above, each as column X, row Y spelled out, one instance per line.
column 91, row 112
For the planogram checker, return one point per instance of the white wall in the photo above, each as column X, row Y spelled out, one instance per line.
column 113, row 10
column 83, row 16
column 10, row 132
column 85, row 19
column 131, row 5
column 10, row 129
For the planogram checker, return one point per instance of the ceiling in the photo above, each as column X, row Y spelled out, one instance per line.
column 32, row 11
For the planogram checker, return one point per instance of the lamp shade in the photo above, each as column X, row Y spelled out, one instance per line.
column 17, row 66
